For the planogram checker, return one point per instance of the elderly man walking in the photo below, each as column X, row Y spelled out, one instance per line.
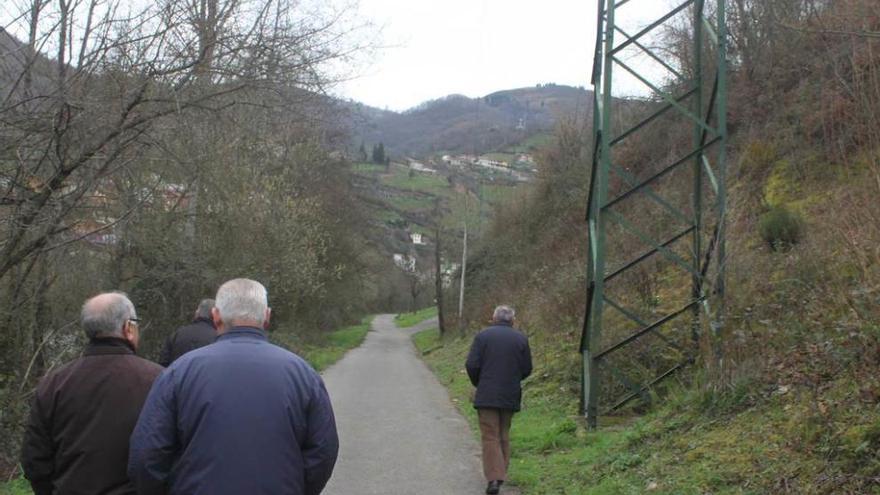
column 240, row 416
column 199, row 333
column 499, row 359
column 83, row 413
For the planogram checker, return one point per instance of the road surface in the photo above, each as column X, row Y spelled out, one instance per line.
column 399, row 432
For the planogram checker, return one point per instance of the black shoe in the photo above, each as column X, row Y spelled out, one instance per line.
column 493, row 488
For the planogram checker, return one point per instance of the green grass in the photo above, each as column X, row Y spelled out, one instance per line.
column 533, row 143
column 499, row 194
column 427, row 340
column 412, row 203
column 16, row 487
column 330, row 347
column 368, row 168
column 405, row 320
column 388, row 216
column 421, row 182
column 742, row 441
column 501, row 157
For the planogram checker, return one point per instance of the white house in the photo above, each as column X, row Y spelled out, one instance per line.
column 405, row 262
column 420, row 167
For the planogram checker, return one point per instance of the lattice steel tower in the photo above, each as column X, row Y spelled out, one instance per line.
column 657, row 201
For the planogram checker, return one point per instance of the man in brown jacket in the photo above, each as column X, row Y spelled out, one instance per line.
column 83, row 414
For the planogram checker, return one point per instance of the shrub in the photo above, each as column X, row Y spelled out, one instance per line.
column 781, row 228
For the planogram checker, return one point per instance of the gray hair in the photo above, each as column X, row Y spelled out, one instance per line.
column 503, row 314
column 204, row 309
column 105, row 314
column 241, row 300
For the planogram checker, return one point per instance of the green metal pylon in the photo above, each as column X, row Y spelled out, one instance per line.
column 702, row 103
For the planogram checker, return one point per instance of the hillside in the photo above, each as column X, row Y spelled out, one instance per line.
column 458, row 124
column 13, row 59
column 797, row 407
column 400, row 202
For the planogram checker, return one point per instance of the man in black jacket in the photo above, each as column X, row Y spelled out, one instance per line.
column 498, row 361
column 83, row 413
column 199, row 333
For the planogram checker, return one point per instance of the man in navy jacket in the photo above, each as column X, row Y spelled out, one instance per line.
column 241, row 416
column 498, row 361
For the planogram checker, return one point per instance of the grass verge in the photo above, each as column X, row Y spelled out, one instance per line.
column 331, row 346
column 16, row 487
column 405, row 320
column 748, row 440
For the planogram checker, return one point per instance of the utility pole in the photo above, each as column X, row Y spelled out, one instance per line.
column 463, row 270
column 438, row 270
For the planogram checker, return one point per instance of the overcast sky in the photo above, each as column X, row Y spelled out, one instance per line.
column 431, row 48
column 475, row 47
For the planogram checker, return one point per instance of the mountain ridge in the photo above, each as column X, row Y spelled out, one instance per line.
column 459, row 124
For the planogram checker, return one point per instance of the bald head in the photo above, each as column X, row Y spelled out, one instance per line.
column 241, row 302
column 105, row 315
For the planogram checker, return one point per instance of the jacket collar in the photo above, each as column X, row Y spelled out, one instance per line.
column 205, row 320
column 102, row 346
column 243, row 332
column 501, row 324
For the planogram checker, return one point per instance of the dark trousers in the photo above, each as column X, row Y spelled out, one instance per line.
column 495, row 435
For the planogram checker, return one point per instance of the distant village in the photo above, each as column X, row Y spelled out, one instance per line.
column 522, row 162
column 98, row 214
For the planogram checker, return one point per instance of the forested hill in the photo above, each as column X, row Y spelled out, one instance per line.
column 458, row 124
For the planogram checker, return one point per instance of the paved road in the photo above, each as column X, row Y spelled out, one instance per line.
column 399, row 432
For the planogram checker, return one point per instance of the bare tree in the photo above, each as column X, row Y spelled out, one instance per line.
column 120, row 127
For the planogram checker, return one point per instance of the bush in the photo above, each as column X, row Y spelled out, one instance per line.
column 781, row 228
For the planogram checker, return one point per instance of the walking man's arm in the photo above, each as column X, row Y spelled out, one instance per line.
column 37, row 452
column 474, row 361
column 154, row 440
column 527, row 360
column 321, row 445
column 165, row 355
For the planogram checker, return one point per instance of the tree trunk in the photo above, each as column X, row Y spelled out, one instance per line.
column 438, row 279
column 461, row 288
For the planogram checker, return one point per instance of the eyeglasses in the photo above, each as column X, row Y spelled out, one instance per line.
column 135, row 320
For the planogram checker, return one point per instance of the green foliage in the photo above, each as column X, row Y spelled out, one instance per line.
column 362, row 152
column 860, row 447
column 427, row 340
column 781, row 228
column 499, row 194
column 367, row 168
column 535, row 142
column 732, row 441
column 404, row 320
column 418, row 182
column 758, row 156
column 784, row 185
column 413, row 203
column 18, row 486
column 378, row 155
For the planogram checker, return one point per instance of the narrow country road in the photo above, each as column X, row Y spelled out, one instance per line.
column 399, row 432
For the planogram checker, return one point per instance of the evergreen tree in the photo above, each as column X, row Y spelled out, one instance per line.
column 379, row 153
column 362, row 152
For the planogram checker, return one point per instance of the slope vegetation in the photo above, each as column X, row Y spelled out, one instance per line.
column 797, row 409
